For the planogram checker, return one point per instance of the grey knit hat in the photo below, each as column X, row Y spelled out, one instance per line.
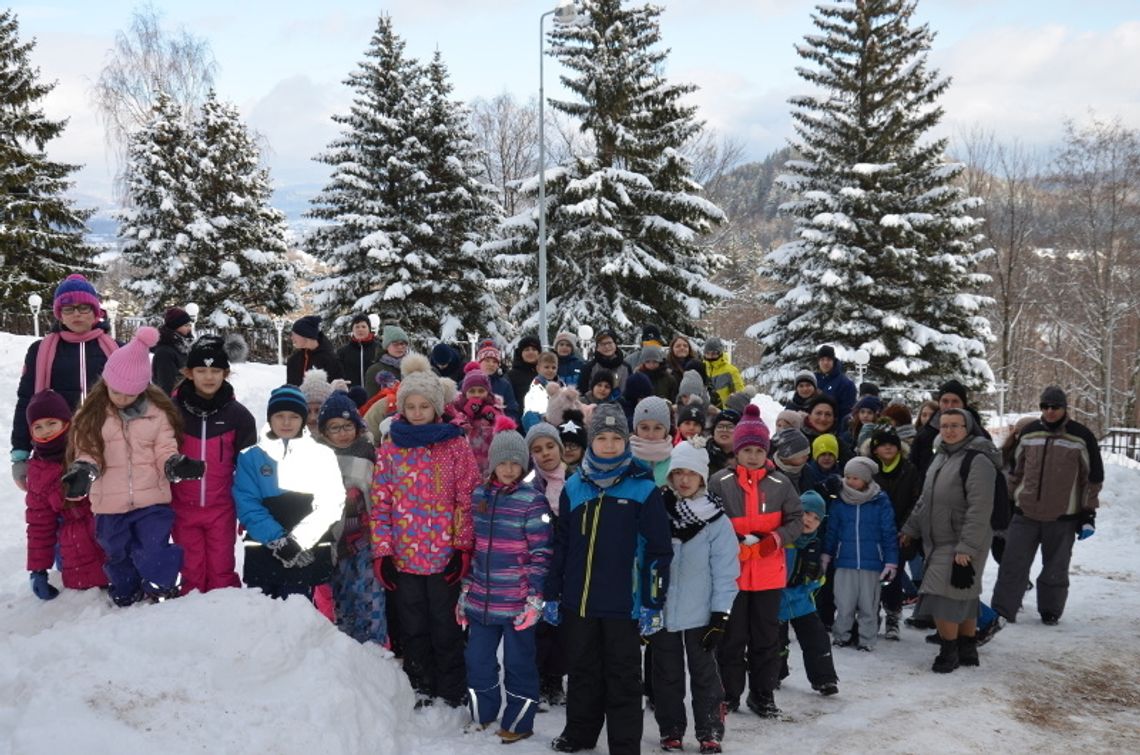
column 652, row 408
column 543, row 430
column 790, row 442
column 714, row 346
column 805, row 376
column 650, row 354
column 508, row 446
column 608, row 418
column 861, row 467
column 692, row 385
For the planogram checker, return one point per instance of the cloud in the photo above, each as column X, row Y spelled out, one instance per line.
column 295, row 122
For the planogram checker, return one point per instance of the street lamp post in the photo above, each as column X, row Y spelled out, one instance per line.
column 585, row 336
column 564, row 13
column 279, row 323
column 861, row 359
column 111, row 307
column 35, row 301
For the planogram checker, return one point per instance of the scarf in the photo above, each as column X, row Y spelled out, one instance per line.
column 791, row 470
column 856, row 497
column 888, row 468
column 610, row 362
column 604, row 473
column 650, row 450
column 194, row 404
column 45, row 357
column 555, row 481
column 182, row 344
column 53, row 448
column 688, row 516
column 391, row 361
column 749, row 481
column 407, row 435
column 367, row 339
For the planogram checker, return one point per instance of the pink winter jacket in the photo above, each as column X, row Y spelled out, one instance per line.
column 135, row 451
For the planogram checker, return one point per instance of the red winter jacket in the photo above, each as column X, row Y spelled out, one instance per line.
column 71, row 527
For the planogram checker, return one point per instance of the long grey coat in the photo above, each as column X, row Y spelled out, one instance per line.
column 950, row 521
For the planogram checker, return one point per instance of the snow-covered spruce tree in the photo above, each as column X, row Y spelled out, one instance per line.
column 885, row 248
column 162, row 204
column 41, row 233
column 622, row 220
column 235, row 264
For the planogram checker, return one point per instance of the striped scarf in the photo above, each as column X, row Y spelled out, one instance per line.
column 604, row 473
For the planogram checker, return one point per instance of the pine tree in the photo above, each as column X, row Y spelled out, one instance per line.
column 41, row 232
column 235, row 268
column 159, row 225
column 622, row 220
column 885, row 250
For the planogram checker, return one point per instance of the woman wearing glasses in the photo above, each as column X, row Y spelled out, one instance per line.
column 68, row 360
column 953, row 519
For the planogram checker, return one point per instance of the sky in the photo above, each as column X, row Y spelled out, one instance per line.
column 1019, row 67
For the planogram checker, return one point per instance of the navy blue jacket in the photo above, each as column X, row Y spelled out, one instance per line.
column 606, row 539
column 839, row 387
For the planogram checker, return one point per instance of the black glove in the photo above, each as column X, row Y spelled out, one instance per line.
column 811, row 571
column 911, row 549
column 714, row 632
column 180, row 467
column 833, row 485
column 962, row 577
column 78, row 479
column 290, row 553
column 41, row 587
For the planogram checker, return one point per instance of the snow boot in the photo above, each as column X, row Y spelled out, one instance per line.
column 510, row 737
column 987, row 634
column 551, row 692
column 947, row 659
column 671, row 744
column 892, row 630
column 922, row 622
column 968, row 651
column 709, row 746
column 563, row 743
column 827, row 689
column 1050, row 619
column 763, row 704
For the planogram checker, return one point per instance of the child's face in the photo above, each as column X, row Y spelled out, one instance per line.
column 314, row 415
column 601, row 391
column 811, row 522
column 572, row 453
column 649, row 365
column 340, row 433
column 529, row 354
column 680, row 349
column 286, row 424
column 360, row 331
column 805, row 389
column 475, row 393
column 925, row 413
column 648, row 429
column 826, row 461
column 722, row 434
column 548, row 370
column 508, row 472
column 782, row 423
column 886, row 452
column 397, row 349
column 685, row 482
column 607, row 445
column 47, row 429
column 207, row 380
column 855, row 482
column 563, row 348
column 866, row 416
column 752, row 457
column 606, row 346
column 546, row 454
column 490, row 365
column 78, row 318
column 690, row 429
column 122, row 400
column 418, row 410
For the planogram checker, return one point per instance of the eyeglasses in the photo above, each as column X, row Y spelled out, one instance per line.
column 78, row 309
column 1051, row 407
column 331, row 429
column 944, row 426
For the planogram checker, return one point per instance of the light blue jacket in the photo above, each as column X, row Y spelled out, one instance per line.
column 702, row 576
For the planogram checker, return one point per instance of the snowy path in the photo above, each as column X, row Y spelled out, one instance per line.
column 233, row 672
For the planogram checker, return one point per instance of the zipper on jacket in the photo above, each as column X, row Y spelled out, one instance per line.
column 490, row 550
column 82, row 372
column 202, row 482
column 1041, row 473
column 130, row 463
column 590, row 549
column 858, row 544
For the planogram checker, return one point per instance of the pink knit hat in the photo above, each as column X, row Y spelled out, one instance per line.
column 750, row 431
column 128, row 368
column 474, row 377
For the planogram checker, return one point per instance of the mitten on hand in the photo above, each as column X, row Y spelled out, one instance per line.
column 888, row 573
column 1088, row 526
column 650, row 621
column 180, row 467
column 290, row 553
column 386, row 573
column 530, row 615
column 550, row 613
column 457, row 567
column 78, row 479
column 461, row 610
column 714, row 632
column 833, row 485
column 20, row 473
column 41, row 587
column 769, row 544
column 962, row 577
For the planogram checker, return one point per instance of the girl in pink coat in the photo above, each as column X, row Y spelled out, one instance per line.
column 52, row 521
column 124, row 454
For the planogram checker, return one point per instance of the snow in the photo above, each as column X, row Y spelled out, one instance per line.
column 234, row 671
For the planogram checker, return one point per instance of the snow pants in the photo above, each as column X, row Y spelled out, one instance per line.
column 670, row 652
column 359, row 602
column 1022, row 538
column 751, row 643
column 604, row 659
column 550, row 652
column 520, row 681
column 139, row 552
column 433, row 642
column 815, row 647
column 207, row 535
column 856, row 599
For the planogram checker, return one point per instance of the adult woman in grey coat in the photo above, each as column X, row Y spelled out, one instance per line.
column 953, row 519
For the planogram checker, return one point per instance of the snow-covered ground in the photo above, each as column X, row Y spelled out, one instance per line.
column 233, row 672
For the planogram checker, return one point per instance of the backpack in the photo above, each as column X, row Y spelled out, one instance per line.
column 1002, row 511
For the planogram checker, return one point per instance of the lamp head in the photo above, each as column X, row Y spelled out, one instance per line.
column 585, row 332
column 566, row 12
column 191, row 309
column 35, row 301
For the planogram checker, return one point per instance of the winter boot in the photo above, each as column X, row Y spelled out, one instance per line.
column 510, row 737
column 968, row 651
column 987, row 634
column 551, row 692
column 947, row 659
column 1050, row 619
column 671, row 744
column 563, row 743
column 892, row 630
column 710, row 745
column 762, row 704
column 827, row 689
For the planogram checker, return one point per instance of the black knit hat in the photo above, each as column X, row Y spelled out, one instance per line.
column 953, row 386
column 573, row 428
column 825, row 351
column 208, row 351
column 885, row 435
column 603, row 376
column 175, row 318
column 308, row 326
column 693, row 412
column 1054, row 396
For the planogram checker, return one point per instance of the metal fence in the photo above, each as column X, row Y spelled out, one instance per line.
column 1122, row 440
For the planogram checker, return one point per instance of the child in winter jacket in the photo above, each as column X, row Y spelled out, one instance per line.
column 900, row 480
column 797, row 600
column 52, row 521
column 359, row 604
column 691, row 420
column 702, row 589
column 421, row 530
column 216, row 429
column 572, row 432
column 765, row 512
column 611, row 528
column 502, row 595
column 479, row 413
column 650, row 441
column 288, row 493
column 124, row 453
column 862, row 540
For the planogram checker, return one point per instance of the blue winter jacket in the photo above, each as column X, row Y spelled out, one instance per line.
column 607, row 539
column 702, row 576
column 841, row 388
column 862, row 536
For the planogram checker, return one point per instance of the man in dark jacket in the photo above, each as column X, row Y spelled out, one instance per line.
column 524, row 367
column 174, row 342
column 447, row 362
column 311, row 350
column 1056, row 480
column 360, row 352
column 831, row 380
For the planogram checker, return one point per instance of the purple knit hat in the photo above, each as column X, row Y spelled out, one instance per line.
column 750, row 431
column 48, row 404
column 128, row 368
column 73, row 290
column 474, row 377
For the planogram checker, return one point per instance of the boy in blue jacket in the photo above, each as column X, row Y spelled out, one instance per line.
column 862, row 540
column 611, row 524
